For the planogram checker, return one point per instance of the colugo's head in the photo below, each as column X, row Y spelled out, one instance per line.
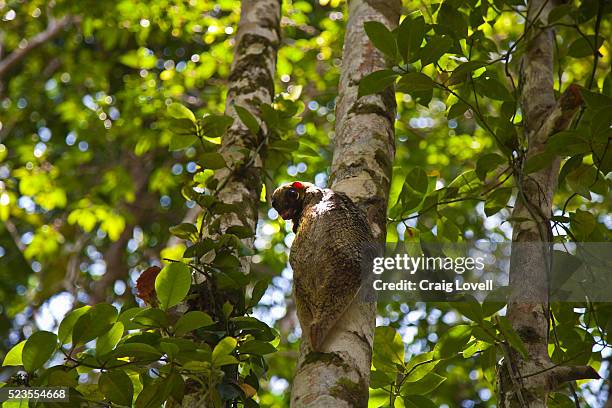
column 288, row 199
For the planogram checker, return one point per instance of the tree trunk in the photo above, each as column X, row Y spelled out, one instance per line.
column 364, row 149
column 251, row 82
column 527, row 382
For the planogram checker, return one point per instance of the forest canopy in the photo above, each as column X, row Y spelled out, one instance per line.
column 142, row 262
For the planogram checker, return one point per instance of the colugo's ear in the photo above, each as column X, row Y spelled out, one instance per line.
column 297, row 185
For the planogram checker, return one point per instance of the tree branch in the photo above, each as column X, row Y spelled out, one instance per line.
column 53, row 29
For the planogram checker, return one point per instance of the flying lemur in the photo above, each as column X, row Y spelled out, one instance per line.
column 329, row 256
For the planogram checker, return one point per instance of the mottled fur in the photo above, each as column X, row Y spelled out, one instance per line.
column 333, row 242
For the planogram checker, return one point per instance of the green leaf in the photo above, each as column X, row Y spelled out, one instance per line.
column 200, row 248
column 380, row 379
column 241, row 231
column 417, row 180
column 184, row 127
column 109, row 340
column 505, row 327
column 457, row 110
column 170, row 349
column 538, row 162
column 269, row 115
column 150, row 397
column 581, row 179
column 585, row 47
column 507, row 137
column 571, row 164
column 453, row 341
column 423, row 386
column 192, row 321
column 221, row 353
column 451, row 20
column 558, row 12
column 488, row 162
column 95, row 322
column 607, row 85
column 64, row 332
column 174, row 387
column 247, row 118
column 172, row 284
column 418, row 401
column 488, row 362
column 212, row 161
column 258, row 291
column 397, row 184
column 288, row 146
column 245, row 322
column 126, row 316
column 422, row 97
column 434, row 49
column 59, row 376
column 13, row 357
column 376, row 82
column 185, row 231
column 421, row 365
column 484, row 332
column 568, row 143
column 564, row 265
column 466, row 182
column 140, row 351
column 388, row 350
column 490, row 87
column 117, row 387
column 470, row 308
column 601, row 124
column 474, row 347
column 494, row 301
column 214, row 126
column 180, row 142
column 582, row 223
column 382, row 38
column 595, row 100
column 39, row 348
column 497, row 200
column 226, row 260
column 178, row 111
column 415, row 82
column 151, row 318
column 138, row 59
column 225, row 360
column 559, row 400
column 464, row 71
column 257, row 347
column 410, row 35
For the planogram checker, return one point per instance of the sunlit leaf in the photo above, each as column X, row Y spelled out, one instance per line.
column 172, row 284
column 39, row 347
column 381, row 37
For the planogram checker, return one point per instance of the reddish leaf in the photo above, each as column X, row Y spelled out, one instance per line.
column 146, row 285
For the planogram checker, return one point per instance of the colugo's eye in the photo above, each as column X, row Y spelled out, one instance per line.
column 292, row 193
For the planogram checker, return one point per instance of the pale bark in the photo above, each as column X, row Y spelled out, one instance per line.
column 251, row 82
column 364, row 150
column 527, row 382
